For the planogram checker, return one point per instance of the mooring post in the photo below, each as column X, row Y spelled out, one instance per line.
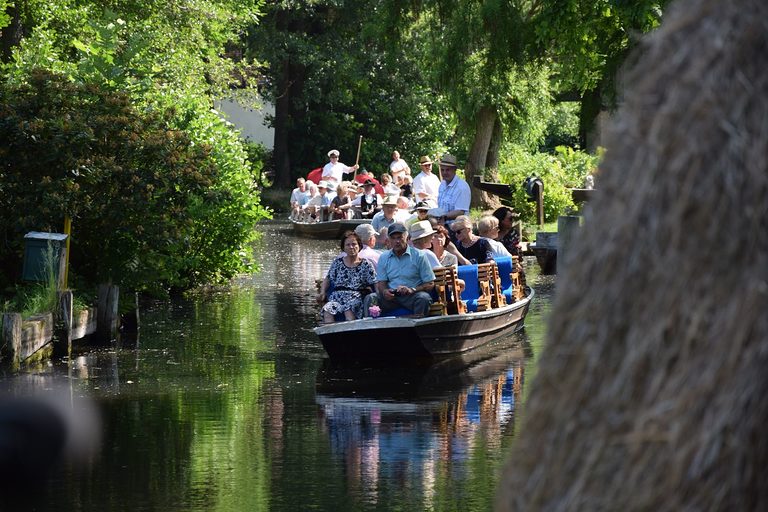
column 107, row 319
column 63, row 338
column 12, row 338
column 567, row 228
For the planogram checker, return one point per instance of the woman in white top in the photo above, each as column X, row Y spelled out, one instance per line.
column 398, row 168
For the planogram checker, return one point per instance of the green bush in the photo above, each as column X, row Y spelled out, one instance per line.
column 561, row 171
column 152, row 206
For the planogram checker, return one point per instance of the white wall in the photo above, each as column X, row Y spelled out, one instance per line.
column 248, row 120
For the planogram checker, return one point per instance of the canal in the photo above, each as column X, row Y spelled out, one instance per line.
column 227, row 402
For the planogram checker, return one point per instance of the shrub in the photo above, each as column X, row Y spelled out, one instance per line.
column 151, row 206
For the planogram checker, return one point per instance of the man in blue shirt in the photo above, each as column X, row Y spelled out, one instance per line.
column 404, row 276
column 453, row 196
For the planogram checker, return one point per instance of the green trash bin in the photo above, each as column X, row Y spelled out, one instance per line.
column 40, row 250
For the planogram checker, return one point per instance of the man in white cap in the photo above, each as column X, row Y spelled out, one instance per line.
column 335, row 170
column 368, row 236
column 421, row 233
column 404, row 276
column 426, row 186
column 453, row 196
column 386, row 217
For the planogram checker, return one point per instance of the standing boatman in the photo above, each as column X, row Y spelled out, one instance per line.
column 335, row 170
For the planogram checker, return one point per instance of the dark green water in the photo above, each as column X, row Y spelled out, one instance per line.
column 226, row 402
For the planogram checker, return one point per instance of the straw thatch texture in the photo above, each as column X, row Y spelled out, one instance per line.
column 652, row 392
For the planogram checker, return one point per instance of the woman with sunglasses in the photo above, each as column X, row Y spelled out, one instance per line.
column 471, row 246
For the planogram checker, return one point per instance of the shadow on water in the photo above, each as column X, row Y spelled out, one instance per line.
column 226, row 401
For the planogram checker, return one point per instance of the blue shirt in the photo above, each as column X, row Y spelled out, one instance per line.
column 454, row 195
column 410, row 269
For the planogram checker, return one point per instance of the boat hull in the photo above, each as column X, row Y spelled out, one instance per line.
column 328, row 230
column 421, row 337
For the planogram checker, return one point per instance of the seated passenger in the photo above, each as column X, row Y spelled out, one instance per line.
column 488, row 228
column 445, row 250
column 507, row 234
column 298, row 197
column 351, row 276
column 420, row 234
column 367, row 204
column 318, row 203
column 390, row 188
column 471, row 246
column 341, row 199
column 405, row 276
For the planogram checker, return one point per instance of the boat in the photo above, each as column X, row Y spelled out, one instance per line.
column 328, row 230
column 433, row 336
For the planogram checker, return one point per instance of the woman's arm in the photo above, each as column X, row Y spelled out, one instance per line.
column 451, row 248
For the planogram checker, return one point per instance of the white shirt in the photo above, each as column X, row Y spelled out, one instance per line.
column 498, row 249
column 397, row 168
column 335, row 171
column 296, row 196
column 454, row 195
column 428, row 184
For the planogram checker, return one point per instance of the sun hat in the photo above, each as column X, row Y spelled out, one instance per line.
column 389, row 201
column 425, row 160
column 322, row 184
column 436, row 212
column 332, row 186
column 423, row 205
column 397, row 227
column 333, row 152
column 421, row 229
column 448, row 160
column 365, row 231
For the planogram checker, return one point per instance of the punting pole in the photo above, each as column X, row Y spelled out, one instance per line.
column 357, row 159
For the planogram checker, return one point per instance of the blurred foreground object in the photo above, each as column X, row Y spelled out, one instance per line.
column 652, row 393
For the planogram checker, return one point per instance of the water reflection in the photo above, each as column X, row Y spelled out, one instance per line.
column 416, row 430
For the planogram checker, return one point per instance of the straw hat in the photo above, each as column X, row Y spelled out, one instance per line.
column 425, row 160
column 390, row 201
column 421, row 229
column 448, row 160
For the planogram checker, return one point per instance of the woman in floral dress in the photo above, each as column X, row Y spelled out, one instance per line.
column 350, row 276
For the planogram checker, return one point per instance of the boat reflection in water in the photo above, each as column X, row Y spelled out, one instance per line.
column 421, row 427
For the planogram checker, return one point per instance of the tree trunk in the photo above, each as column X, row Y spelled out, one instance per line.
column 492, row 161
column 478, row 156
column 11, row 35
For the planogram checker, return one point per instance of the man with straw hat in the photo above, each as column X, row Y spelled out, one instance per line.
column 453, row 195
column 386, row 217
column 421, row 238
column 335, row 170
column 426, row 185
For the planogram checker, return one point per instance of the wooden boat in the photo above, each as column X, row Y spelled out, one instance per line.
column 328, row 230
column 431, row 336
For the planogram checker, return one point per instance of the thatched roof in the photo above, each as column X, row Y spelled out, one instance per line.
column 652, row 392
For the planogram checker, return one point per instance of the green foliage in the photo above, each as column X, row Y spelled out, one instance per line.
column 561, row 171
column 151, row 207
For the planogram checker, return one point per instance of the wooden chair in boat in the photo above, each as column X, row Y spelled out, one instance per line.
column 447, row 293
column 497, row 291
column 518, row 291
column 484, row 276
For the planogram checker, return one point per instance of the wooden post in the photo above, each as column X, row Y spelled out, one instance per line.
column 107, row 319
column 63, row 338
column 540, row 204
column 567, row 229
column 12, row 338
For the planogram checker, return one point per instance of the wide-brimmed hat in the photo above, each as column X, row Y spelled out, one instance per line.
column 425, row 160
column 322, row 184
column 423, row 205
column 365, row 231
column 390, row 201
column 421, row 229
column 397, row 227
column 333, row 152
column 332, row 186
column 448, row 160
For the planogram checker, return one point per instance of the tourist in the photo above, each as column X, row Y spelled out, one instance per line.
column 508, row 234
column 406, row 189
column 368, row 236
column 351, row 276
column 319, row 202
column 398, row 169
column 488, row 228
column 386, row 217
column 342, row 198
column 367, row 204
column 471, row 246
column 405, row 276
column 445, row 250
column 426, row 186
column 299, row 197
column 453, row 196
column 335, row 170
column 420, row 212
column 420, row 234
column 390, row 188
